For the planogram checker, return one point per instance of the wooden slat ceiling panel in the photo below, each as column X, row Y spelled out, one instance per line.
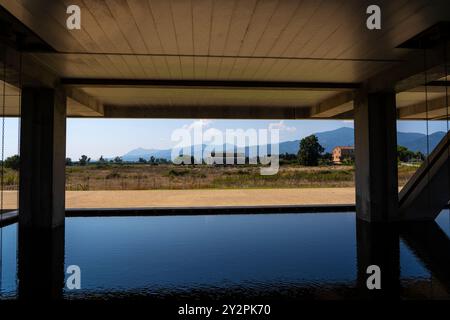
column 308, row 28
column 285, row 28
column 272, row 40
column 321, row 23
column 351, row 39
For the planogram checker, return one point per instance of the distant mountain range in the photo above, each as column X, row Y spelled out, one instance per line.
column 328, row 139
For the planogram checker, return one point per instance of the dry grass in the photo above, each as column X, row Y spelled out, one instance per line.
column 10, row 179
column 169, row 185
column 160, row 177
column 149, row 177
column 405, row 172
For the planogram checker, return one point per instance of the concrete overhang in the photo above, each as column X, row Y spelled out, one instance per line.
column 242, row 59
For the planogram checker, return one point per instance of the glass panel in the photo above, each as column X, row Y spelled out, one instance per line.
column 422, row 120
column 10, row 83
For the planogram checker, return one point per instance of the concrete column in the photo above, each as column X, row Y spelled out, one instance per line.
column 376, row 156
column 42, row 158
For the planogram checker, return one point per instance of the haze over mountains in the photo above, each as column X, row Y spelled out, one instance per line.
column 328, row 139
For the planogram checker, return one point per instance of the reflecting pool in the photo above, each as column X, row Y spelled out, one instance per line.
column 261, row 256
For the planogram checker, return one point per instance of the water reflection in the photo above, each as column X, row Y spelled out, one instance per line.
column 284, row 257
column 432, row 246
column 41, row 264
column 378, row 244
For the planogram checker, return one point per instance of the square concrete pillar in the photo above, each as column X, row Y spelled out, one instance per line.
column 376, row 156
column 42, row 158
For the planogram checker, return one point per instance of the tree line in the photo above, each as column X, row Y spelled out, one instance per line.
column 85, row 160
column 310, row 153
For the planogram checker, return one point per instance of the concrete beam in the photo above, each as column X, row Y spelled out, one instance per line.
column 432, row 109
column 376, row 156
column 430, row 88
column 438, row 83
column 213, row 84
column 93, row 106
column 42, row 159
column 349, row 115
column 24, row 69
column 207, row 112
column 410, row 73
column 331, row 107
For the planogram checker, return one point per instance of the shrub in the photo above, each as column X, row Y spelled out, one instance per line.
column 13, row 162
column 177, row 173
column 113, row 175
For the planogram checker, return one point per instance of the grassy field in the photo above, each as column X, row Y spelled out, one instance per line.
column 145, row 185
column 150, row 177
column 168, row 176
column 405, row 172
column 10, row 179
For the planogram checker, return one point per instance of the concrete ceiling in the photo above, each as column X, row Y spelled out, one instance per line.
column 292, row 41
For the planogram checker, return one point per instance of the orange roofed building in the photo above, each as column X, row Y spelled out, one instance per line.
column 342, row 152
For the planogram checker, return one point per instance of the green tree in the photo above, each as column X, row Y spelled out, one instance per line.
column 285, row 158
column 310, row 151
column 404, row 154
column 161, row 161
column 118, row 160
column 419, row 156
column 326, row 159
column 152, row 160
column 13, row 162
column 101, row 162
column 84, row 160
column 69, row 162
column 348, row 161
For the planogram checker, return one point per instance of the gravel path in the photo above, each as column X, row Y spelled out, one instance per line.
column 192, row 198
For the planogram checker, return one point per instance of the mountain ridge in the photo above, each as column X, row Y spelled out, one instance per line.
column 343, row 136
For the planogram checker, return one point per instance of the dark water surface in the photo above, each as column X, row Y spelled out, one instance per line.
column 286, row 256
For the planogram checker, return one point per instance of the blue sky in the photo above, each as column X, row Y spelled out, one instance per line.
column 118, row 136
column 112, row 137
